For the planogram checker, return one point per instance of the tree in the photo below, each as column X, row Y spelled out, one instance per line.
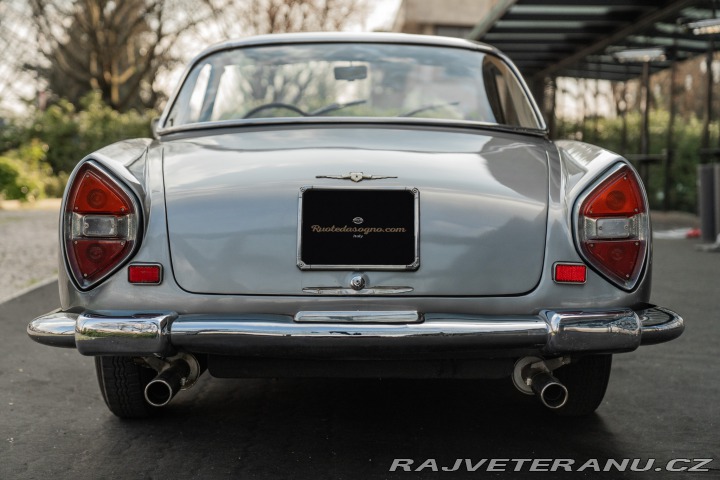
column 121, row 47
column 252, row 17
column 116, row 47
column 16, row 45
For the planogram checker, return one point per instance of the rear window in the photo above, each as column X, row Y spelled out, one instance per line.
column 352, row 80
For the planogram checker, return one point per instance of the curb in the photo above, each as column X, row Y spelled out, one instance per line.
column 42, row 283
column 43, row 204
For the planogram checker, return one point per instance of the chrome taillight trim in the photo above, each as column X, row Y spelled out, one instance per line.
column 641, row 224
column 69, row 223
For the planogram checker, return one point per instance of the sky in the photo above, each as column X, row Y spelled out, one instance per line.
column 382, row 15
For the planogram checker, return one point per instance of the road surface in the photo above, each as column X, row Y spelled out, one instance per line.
column 662, row 405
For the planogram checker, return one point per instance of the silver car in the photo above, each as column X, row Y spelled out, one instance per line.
column 367, row 205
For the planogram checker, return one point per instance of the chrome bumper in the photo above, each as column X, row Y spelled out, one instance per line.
column 549, row 332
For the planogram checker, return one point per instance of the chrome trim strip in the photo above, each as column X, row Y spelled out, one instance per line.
column 351, row 122
column 275, row 335
column 143, row 334
column 413, row 266
column 351, row 291
column 358, row 317
column 56, row 329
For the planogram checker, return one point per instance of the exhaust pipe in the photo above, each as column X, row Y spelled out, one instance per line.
column 549, row 390
column 533, row 375
column 168, row 383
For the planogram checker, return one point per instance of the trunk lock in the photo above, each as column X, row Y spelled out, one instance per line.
column 357, row 282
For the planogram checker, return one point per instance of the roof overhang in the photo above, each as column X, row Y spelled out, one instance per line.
column 551, row 38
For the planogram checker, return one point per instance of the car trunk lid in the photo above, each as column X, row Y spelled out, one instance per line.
column 248, row 211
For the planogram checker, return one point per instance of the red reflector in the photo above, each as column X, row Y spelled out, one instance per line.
column 572, row 273
column 145, row 274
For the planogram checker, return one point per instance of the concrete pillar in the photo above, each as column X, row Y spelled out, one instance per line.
column 707, row 201
column 717, row 200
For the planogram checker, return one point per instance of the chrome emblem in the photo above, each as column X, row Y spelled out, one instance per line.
column 358, row 220
column 354, row 176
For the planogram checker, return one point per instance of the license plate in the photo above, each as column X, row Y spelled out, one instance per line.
column 358, row 229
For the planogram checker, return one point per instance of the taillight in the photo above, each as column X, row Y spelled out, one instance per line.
column 613, row 227
column 100, row 225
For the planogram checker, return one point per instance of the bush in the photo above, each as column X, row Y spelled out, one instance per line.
column 71, row 134
column 10, row 183
column 99, row 125
column 607, row 133
column 39, row 156
column 11, row 135
column 57, row 127
column 24, row 174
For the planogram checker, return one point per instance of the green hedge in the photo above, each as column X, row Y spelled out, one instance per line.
column 36, row 158
column 607, row 133
column 71, row 133
column 25, row 175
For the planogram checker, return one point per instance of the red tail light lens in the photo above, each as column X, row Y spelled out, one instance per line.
column 613, row 227
column 100, row 225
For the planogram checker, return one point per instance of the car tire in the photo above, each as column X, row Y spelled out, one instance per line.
column 586, row 381
column 122, row 383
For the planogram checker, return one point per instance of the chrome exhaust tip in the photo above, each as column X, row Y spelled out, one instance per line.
column 549, row 390
column 533, row 375
column 180, row 373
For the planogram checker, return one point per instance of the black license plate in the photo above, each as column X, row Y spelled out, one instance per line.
column 358, row 229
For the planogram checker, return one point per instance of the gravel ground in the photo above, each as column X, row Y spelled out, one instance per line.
column 29, row 246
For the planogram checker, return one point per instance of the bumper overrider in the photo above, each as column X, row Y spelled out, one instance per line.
column 549, row 333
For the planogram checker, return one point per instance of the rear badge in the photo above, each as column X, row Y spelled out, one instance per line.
column 355, row 177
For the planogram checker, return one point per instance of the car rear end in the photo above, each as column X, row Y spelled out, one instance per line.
column 355, row 247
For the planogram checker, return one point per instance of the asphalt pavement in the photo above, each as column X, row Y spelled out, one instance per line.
column 661, row 406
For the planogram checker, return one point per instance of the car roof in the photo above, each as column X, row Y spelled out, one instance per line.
column 350, row 37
